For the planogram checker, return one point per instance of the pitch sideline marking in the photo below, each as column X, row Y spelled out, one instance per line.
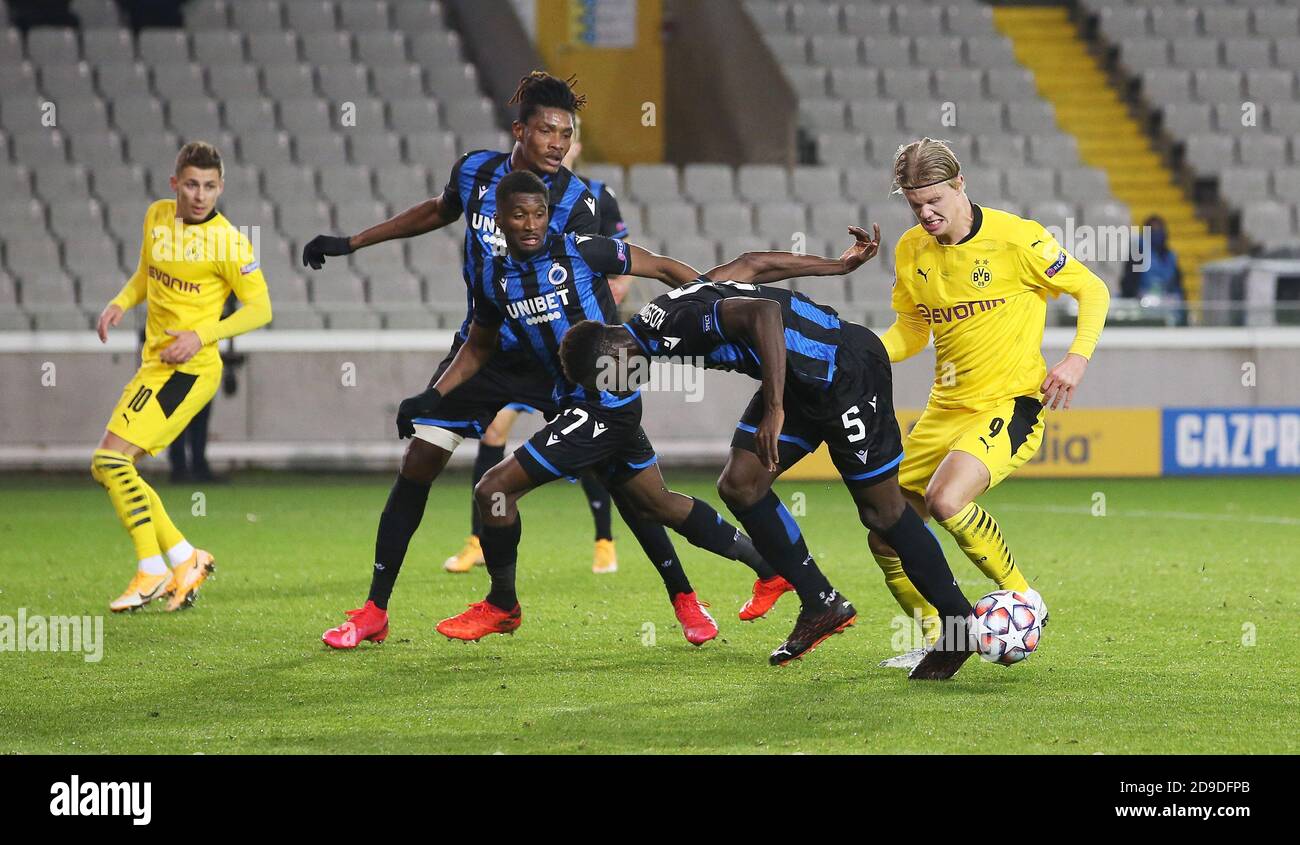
column 1148, row 514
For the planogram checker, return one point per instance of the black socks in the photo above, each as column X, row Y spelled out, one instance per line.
column 501, row 552
column 397, row 524
column 925, row 565
column 705, row 527
column 598, row 501
column 657, row 546
column 778, row 538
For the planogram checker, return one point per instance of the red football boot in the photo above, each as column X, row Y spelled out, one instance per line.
column 765, row 595
column 366, row 623
column 480, row 620
column 697, row 624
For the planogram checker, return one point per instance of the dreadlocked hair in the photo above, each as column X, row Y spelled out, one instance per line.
column 541, row 90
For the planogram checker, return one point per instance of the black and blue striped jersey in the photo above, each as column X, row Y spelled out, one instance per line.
column 612, row 224
column 684, row 323
column 471, row 189
column 539, row 298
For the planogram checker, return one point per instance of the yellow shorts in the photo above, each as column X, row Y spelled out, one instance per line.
column 1002, row 438
column 159, row 402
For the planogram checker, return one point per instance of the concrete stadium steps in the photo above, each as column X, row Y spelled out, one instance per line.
column 1089, row 108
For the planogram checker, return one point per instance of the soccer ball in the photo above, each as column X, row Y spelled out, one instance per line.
column 1008, row 625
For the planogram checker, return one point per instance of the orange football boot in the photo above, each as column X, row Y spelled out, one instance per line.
column 480, row 620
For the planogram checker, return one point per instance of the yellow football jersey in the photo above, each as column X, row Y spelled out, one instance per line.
column 186, row 272
column 984, row 300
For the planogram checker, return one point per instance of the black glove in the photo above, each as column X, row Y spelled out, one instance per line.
column 313, row 254
column 420, row 405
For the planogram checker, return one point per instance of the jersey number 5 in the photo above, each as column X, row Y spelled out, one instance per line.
column 857, row 430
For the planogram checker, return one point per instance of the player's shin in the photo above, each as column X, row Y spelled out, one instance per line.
column 656, row 544
column 924, row 564
column 397, row 524
column 778, row 538
column 705, row 527
column 500, row 553
column 980, row 537
column 598, row 501
column 170, row 539
column 129, row 494
column 486, row 458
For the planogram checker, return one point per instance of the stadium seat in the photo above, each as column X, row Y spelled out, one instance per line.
column 307, row 17
column 815, row 185
column 327, row 48
column 959, row 85
column 53, row 46
column 1193, row 53
column 885, row 51
column 344, row 83
column 669, row 218
column 763, row 182
column 361, row 16
column 940, row 52
column 1225, row 21
column 62, row 81
column 708, row 182
column 399, row 81
column 653, row 182
column 923, row 19
column 781, row 221
column 867, row 19
column 218, row 47
column 158, row 46
column 416, row 15
column 256, row 15
column 1169, row 21
column 381, row 48
column 107, row 46
column 726, row 219
column 1183, row 119
column 1275, row 21
column 808, row 82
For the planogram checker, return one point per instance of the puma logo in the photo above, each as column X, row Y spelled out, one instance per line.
column 987, row 447
column 925, row 274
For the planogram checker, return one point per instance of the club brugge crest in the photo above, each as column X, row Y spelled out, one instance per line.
column 980, row 276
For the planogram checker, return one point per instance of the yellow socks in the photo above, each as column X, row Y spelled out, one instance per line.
column 980, row 538
column 141, row 512
column 909, row 598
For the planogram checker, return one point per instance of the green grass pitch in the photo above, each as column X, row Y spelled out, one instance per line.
column 1172, row 630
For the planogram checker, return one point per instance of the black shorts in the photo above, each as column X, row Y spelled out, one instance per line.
column 854, row 416
column 508, row 378
column 588, row 437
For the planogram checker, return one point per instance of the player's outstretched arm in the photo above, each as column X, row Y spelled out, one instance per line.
column 649, row 265
column 759, row 322
column 416, row 220
column 762, row 268
column 471, row 357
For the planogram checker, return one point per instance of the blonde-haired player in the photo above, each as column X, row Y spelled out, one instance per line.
column 191, row 258
column 977, row 281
